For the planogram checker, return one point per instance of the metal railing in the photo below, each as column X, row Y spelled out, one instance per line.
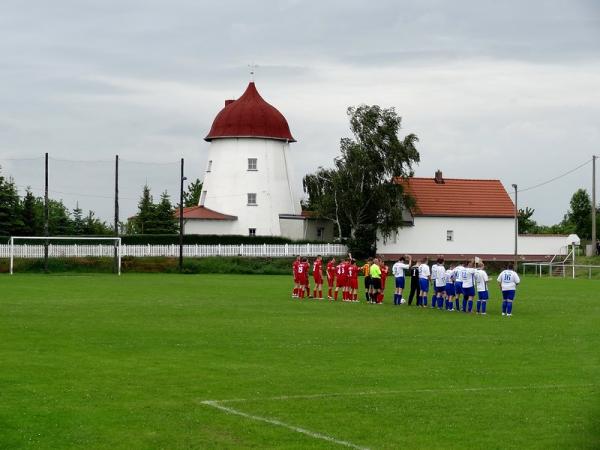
column 561, row 270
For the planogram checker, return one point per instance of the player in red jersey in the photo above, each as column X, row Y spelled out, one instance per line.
column 352, row 281
column 295, row 264
column 318, row 277
column 303, row 269
column 384, row 273
column 340, row 279
column 330, row 277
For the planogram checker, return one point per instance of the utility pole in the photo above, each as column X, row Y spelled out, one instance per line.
column 516, row 225
column 182, row 179
column 46, row 215
column 116, row 268
column 594, row 157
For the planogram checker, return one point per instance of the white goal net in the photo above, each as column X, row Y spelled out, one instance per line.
column 74, row 250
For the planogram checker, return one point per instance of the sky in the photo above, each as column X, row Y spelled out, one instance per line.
column 507, row 90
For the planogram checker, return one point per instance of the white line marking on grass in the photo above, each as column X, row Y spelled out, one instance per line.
column 324, row 437
column 218, row 403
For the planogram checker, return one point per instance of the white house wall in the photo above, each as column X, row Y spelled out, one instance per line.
column 470, row 236
column 540, row 244
column 210, row 227
column 229, row 181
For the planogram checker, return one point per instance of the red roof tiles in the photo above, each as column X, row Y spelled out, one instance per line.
column 250, row 116
column 203, row 213
column 459, row 197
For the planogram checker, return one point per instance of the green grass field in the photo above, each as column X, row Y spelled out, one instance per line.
column 231, row 361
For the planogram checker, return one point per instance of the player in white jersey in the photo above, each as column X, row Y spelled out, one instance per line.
column 481, row 277
column 398, row 271
column 438, row 275
column 468, row 286
column 508, row 281
column 424, row 277
column 450, row 290
column 458, row 285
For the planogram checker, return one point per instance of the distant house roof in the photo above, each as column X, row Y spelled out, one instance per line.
column 457, row 197
column 203, row 213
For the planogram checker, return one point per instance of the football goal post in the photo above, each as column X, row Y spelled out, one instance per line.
column 67, row 248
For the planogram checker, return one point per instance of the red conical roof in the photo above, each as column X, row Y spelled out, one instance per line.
column 250, row 116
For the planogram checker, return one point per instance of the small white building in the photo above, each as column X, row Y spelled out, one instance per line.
column 248, row 187
column 463, row 218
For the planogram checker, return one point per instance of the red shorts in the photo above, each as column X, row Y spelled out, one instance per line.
column 340, row 282
column 296, row 279
column 330, row 280
column 302, row 280
column 318, row 279
column 353, row 283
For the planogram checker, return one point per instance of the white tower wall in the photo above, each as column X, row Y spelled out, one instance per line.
column 228, row 181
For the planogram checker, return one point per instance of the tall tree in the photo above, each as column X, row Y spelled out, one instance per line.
column 362, row 193
column 146, row 216
column 166, row 222
column 526, row 224
column 78, row 223
column 92, row 226
column 191, row 197
column 10, row 208
column 580, row 214
column 59, row 218
column 33, row 223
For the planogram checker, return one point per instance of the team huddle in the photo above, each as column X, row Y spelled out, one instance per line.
column 469, row 280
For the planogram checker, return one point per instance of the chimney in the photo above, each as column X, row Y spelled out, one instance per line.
column 439, row 179
column 229, row 102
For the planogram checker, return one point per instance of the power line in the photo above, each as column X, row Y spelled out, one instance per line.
column 556, row 178
column 23, row 159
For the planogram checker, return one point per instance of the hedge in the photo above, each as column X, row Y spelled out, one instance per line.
column 189, row 239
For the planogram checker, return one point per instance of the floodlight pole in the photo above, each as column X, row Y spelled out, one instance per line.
column 594, row 157
column 182, row 179
column 117, row 195
column 516, row 225
column 117, row 255
column 46, row 215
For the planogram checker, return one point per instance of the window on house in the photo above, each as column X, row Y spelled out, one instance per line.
column 202, row 198
column 252, row 164
column 251, row 199
column 320, row 232
column 209, row 166
column 449, row 235
column 252, row 232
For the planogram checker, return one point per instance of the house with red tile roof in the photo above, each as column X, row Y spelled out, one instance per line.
column 461, row 218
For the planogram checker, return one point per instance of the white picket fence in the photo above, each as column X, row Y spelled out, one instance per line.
column 189, row 251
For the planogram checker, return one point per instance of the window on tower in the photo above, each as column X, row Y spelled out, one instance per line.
column 252, row 164
column 202, row 198
column 251, row 199
column 449, row 235
column 209, row 166
column 252, row 232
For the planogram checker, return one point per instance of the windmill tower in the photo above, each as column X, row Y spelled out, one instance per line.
column 247, row 186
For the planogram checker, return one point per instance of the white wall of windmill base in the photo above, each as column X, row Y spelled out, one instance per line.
column 229, row 181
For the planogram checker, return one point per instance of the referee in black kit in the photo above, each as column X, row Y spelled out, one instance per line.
column 414, row 282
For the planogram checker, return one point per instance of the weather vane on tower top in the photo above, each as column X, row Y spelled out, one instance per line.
column 252, row 68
